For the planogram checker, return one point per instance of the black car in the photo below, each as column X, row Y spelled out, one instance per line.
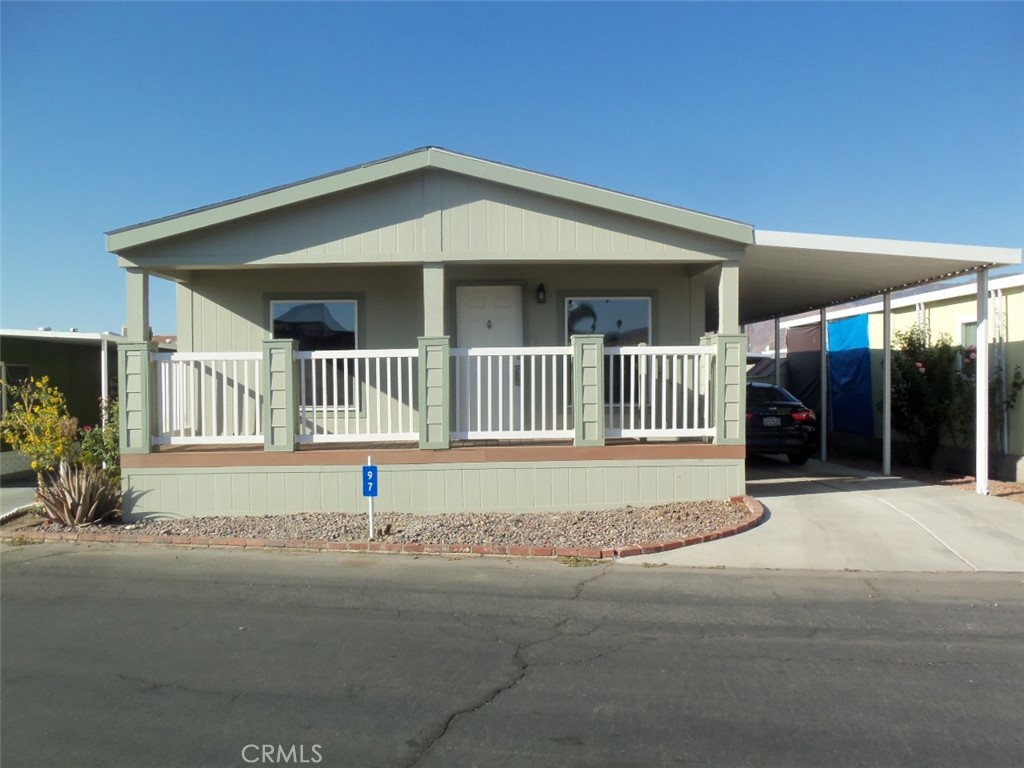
column 777, row 422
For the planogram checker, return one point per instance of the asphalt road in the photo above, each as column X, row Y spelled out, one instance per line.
column 134, row 656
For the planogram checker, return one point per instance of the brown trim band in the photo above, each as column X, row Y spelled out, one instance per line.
column 232, row 457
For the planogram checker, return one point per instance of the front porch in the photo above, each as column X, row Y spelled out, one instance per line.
column 182, row 481
column 499, row 429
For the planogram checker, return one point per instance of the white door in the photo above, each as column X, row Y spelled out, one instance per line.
column 488, row 386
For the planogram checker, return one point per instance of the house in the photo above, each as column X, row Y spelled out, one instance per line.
column 81, row 365
column 949, row 309
column 496, row 338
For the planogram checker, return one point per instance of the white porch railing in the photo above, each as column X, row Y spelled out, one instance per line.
column 505, row 393
column 659, row 391
column 358, row 395
column 512, row 393
column 208, row 397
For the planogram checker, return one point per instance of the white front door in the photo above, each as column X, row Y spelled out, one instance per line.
column 488, row 387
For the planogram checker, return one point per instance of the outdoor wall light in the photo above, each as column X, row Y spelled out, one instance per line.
column 542, row 295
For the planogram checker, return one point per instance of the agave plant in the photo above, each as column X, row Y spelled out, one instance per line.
column 78, row 495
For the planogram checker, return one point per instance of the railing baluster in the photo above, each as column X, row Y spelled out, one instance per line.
column 401, row 400
column 388, row 391
column 377, row 389
column 348, row 402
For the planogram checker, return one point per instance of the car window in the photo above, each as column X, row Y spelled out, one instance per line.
column 759, row 395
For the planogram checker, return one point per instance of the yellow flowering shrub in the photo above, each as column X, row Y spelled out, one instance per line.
column 37, row 424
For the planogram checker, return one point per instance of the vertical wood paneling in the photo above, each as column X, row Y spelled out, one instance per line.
column 507, row 488
column 435, row 492
column 430, row 489
column 471, row 493
column 488, row 488
column 453, row 487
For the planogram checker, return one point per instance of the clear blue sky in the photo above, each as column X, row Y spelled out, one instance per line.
column 880, row 120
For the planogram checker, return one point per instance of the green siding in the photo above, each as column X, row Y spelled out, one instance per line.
column 229, row 311
column 430, row 488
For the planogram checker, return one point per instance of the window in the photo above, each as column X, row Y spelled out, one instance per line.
column 319, row 325
column 623, row 321
column 969, row 334
column 316, row 324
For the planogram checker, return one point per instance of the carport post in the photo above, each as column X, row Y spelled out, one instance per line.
column 104, row 378
column 887, row 383
column 777, row 344
column 823, row 407
column 981, row 388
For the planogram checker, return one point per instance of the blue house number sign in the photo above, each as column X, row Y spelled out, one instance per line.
column 370, row 480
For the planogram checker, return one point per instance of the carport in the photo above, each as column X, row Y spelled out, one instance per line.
column 787, row 273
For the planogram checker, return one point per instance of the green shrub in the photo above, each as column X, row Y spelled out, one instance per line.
column 37, row 424
column 100, row 447
column 933, row 393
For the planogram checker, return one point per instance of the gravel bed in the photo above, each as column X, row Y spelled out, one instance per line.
column 598, row 529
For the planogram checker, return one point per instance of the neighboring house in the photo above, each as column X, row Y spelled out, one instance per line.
column 496, row 338
column 949, row 309
column 81, row 365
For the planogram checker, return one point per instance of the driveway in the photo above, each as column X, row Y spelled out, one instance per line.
column 828, row 517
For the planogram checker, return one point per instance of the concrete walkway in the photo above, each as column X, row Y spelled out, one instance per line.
column 828, row 517
column 16, row 493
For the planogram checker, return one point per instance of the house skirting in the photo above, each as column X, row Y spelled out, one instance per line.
column 478, row 479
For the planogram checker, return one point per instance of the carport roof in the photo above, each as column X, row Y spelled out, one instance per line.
column 785, row 273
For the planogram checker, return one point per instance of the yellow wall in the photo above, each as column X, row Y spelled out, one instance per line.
column 946, row 317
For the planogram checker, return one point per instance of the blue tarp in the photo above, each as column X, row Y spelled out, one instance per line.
column 849, row 359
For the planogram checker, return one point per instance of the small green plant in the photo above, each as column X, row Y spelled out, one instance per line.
column 577, row 562
column 37, row 424
column 933, row 393
column 21, row 541
column 100, row 442
column 80, row 495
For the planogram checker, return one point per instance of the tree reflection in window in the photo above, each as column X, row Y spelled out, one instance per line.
column 624, row 322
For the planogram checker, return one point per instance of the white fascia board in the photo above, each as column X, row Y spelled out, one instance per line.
column 74, row 336
column 925, row 297
column 979, row 254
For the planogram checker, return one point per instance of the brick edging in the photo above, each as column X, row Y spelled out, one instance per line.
column 757, row 513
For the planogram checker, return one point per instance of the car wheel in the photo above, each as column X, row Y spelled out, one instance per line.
column 799, row 458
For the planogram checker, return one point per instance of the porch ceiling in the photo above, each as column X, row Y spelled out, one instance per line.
column 785, row 273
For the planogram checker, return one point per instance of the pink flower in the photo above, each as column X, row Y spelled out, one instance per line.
column 87, row 428
column 919, row 364
column 921, row 369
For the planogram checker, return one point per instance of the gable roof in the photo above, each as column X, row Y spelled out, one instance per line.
column 418, row 159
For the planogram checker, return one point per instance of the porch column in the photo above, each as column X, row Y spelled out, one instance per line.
column 887, row 383
column 137, row 303
column 588, row 389
column 135, row 401
column 823, row 400
column 434, row 388
column 981, row 388
column 280, row 395
column 730, row 396
column 729, row 299
column 433, row 300
column 778, row 360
